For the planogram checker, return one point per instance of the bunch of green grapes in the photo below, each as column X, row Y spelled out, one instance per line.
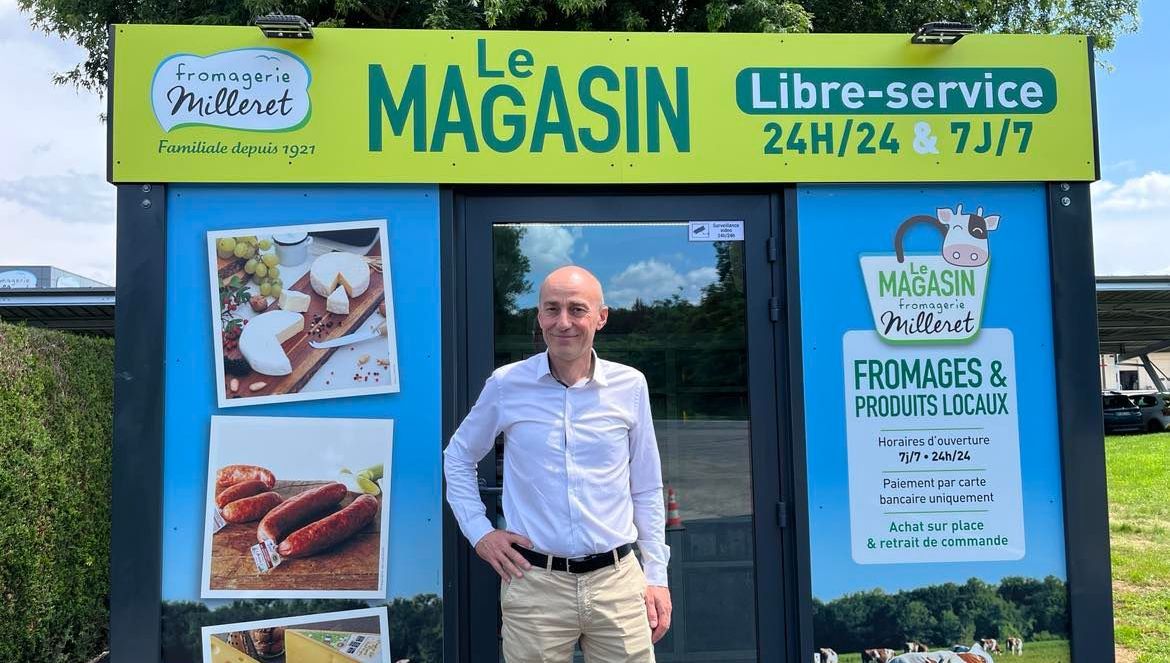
column 261, row 261
column 240, row 247
column 265, row 273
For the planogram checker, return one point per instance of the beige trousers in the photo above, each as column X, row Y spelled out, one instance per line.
column 546, row 612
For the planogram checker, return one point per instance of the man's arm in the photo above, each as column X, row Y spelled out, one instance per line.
column 646, row 491
column 649, row 514
column 470, row 443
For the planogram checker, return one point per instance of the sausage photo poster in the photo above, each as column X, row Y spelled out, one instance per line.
column 932, row 448
column 350, row 636
column 296, row 508
column 288, row 511
column 302, row 312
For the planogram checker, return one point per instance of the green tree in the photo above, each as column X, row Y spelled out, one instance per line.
column 85, row 21
column 916, row 621
column 511, row 269
column 944, row 614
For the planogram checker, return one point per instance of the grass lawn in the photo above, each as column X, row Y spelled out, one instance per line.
column 1138, row 467
column 1052, row 651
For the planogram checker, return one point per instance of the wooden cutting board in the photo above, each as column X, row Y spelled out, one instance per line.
column 228, row 267
column 305, row 359
column 350, row 565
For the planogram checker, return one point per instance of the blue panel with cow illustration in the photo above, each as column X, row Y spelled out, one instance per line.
column 935, row 498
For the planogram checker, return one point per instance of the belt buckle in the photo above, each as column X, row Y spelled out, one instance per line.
column 570, row 561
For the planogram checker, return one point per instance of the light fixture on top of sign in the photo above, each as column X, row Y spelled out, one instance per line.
column 943, row 33
column 284, row 26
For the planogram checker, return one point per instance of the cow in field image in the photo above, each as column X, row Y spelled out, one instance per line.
column 976, row 654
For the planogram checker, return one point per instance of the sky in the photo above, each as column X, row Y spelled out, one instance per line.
column 646, row 261
column 56, row 207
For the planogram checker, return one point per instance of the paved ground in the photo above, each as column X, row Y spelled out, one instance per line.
column 708, row 463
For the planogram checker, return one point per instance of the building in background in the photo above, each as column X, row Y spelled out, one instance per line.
column 43, row 276
column 1133, row 320
column 47, row 296
column 1131, row 374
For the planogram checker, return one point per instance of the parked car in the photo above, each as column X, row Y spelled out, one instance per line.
column 1122, row 415
column 1155, row 407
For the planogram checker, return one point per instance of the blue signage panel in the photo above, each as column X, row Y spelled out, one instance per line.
column 268, row 435
column 935, row 504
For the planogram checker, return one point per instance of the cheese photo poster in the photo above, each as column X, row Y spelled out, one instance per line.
column 930, row 420
column 296, row 507
column 299, row 445
column 302, row 312
column 350, row 636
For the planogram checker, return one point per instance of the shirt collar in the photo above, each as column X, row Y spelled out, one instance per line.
column 599, row 376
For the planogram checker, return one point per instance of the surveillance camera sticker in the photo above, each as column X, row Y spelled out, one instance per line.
column 250, row 89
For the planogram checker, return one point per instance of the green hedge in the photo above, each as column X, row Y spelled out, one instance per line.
column 56, row 428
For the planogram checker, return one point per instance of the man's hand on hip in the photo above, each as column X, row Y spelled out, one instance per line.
column 495, row 548
column 658, row 610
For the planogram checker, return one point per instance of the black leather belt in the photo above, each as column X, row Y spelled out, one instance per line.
column 575, row 564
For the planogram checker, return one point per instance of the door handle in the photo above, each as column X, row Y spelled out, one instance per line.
column 485, row 489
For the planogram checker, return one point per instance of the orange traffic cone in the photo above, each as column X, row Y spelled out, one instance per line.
column 673, row 521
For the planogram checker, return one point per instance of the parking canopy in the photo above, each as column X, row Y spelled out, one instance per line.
column 1133, row 315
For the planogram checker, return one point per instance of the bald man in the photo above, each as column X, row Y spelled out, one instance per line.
column 582, row 483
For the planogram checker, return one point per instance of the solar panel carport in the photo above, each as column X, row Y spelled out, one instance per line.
column 82, row 310
column 1133, row 319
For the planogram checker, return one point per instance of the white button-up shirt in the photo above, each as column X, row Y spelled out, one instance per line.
column 582, row 473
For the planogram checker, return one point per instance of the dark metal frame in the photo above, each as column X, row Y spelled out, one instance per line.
column 474, row 211
column 139, row 378
column 802, row 567
column 1086, row 510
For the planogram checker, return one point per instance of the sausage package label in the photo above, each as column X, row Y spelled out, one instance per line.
column 217, row 521
column 312, row 646
column 265, row 556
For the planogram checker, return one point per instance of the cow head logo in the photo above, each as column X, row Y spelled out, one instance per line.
column 964, row 234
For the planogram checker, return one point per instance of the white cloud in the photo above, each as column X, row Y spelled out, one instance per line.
column 1123, row 168
column 702, row 276
column 1131, row 225
column 650, row 280
column 55, row 205
column 53, row 128
column 68, row 197
column 548, row 247
column 32, row 237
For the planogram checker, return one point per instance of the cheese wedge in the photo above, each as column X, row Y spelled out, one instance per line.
column 339, row 269
column 222, row 652
column 338, row 302
column 293, row 300
column 312, row 646
column 261, row 339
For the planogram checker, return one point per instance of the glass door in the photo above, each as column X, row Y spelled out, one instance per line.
column 690, row 287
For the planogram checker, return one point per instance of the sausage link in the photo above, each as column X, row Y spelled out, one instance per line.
column 239, row 491
column 330, row 530
column 230, row 475
column 269, row 641
column 298, row 510
column 250, row 508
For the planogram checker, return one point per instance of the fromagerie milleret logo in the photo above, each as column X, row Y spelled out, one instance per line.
column 253, row 89
column 932, row 297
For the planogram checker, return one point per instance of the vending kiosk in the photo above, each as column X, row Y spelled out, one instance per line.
column 855, row 270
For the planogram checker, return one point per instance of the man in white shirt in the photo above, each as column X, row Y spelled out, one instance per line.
column 582, row 481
